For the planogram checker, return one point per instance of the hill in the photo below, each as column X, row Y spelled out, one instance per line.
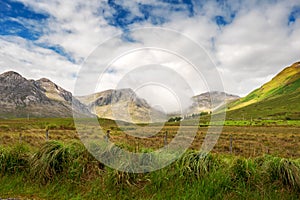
column 20, row 97
column 278, row 98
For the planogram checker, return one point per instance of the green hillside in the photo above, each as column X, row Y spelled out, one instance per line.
column 277, row 99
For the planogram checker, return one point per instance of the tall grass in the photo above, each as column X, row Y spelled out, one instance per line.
column 244, row 170
column 196, row 164
column 14, row 159
column 282, row 171
column 57, row 159
column 193, row 176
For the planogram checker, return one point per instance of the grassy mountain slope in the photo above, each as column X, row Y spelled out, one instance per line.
column 278, row 98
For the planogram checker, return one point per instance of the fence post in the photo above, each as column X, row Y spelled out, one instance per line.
column 166, row 139
column 230, row 147
column 20, row 137
column 47, row 134
column 107, row 136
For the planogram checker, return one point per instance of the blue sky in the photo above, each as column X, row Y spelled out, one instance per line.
column 249, row 41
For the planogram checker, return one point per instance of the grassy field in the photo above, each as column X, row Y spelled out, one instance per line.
column 249, row 139
column 263, row 164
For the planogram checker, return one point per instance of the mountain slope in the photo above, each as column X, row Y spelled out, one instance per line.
column 203, row 102
column 278, row 98
column 20, row 97
column 122, row 104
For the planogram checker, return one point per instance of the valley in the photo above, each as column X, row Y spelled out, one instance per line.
column 42, row 155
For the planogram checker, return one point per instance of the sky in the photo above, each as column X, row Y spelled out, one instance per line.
column 248, row 42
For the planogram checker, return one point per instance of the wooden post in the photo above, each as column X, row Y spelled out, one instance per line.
column 20, row 137
column 230, row 147
column 47, row 134
column 166, row 139
column 249, row 149
column 107, row 136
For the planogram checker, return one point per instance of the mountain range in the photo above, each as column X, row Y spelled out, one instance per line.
column 19, row 97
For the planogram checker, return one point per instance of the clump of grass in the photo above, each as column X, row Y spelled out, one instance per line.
column 284, row 171
column 116, row 178
column 56, row 159
column 15, row 159
column 84, row 165
column 243, row 170
column 196, row 164
column 52, row 159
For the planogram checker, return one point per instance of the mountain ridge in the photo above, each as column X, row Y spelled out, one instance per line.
column 20, row 97
column 277, row 85
column 122, row 104
column 277, row 99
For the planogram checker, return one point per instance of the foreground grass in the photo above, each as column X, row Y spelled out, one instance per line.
column 67, row 171
column 17, row 186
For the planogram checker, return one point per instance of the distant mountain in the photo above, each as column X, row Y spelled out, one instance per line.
column 203, row 102
column 20, row 97
column 122, row 104
column 278, row 98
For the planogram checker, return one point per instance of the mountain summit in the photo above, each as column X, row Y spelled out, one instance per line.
column 20, row 97
column 122, row 104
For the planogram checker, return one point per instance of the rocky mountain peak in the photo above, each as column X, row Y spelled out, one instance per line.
column 45, row 80
column 43, row 98
column 12, row 76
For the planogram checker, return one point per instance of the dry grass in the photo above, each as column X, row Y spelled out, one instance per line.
column 248, row 141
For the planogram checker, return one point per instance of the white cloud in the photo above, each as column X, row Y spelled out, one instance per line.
column 35, row 62
column 256, row 45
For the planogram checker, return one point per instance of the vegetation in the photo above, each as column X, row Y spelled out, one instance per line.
column 62, row 168
column 277, row 99
column 175, row 119
column 66, row 171
column 249, row 138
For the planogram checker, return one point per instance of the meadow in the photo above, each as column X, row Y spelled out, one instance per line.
column 262, row 162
